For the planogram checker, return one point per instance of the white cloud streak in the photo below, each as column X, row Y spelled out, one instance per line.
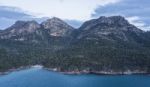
column 135, row 20
column 65, row 9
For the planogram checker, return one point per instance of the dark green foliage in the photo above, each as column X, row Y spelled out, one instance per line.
column 84, row 55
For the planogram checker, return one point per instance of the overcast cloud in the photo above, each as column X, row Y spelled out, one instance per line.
column 74, row 12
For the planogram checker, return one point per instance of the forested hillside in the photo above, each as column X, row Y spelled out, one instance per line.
column 103, row 44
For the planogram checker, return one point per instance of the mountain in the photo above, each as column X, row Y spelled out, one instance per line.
column 110, row 28
column 23, row 31
column 107, row 44
column 57, row 27
column 32, row 32
column 20, row 28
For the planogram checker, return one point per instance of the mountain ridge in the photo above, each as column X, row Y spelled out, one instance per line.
column 103, row 44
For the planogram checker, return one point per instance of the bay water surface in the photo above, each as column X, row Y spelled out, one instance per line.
column 38, row 77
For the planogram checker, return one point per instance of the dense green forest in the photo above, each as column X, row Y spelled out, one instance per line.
column 86, row 56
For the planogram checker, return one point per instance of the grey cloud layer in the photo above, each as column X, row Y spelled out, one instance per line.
column 127, row 8
column 9, row 15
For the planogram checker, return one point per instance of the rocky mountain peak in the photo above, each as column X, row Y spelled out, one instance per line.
column 57, row 27
column 54, row 22
column 107, row 27
column 24, row 26
column 113, row 20
column 20, row 28
column 103, row 21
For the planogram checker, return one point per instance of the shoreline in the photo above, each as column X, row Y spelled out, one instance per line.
column 98, row 72
column 14, row 69
column 19, row 69
column 136, row 72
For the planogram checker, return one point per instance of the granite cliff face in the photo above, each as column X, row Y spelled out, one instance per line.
column 110, row 28
column 57, row 27
column 31, row 30
column 19, row 28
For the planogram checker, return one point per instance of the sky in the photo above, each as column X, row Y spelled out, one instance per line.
column 74, row 12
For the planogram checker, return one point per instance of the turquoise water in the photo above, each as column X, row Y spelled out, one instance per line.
column 37, row 77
